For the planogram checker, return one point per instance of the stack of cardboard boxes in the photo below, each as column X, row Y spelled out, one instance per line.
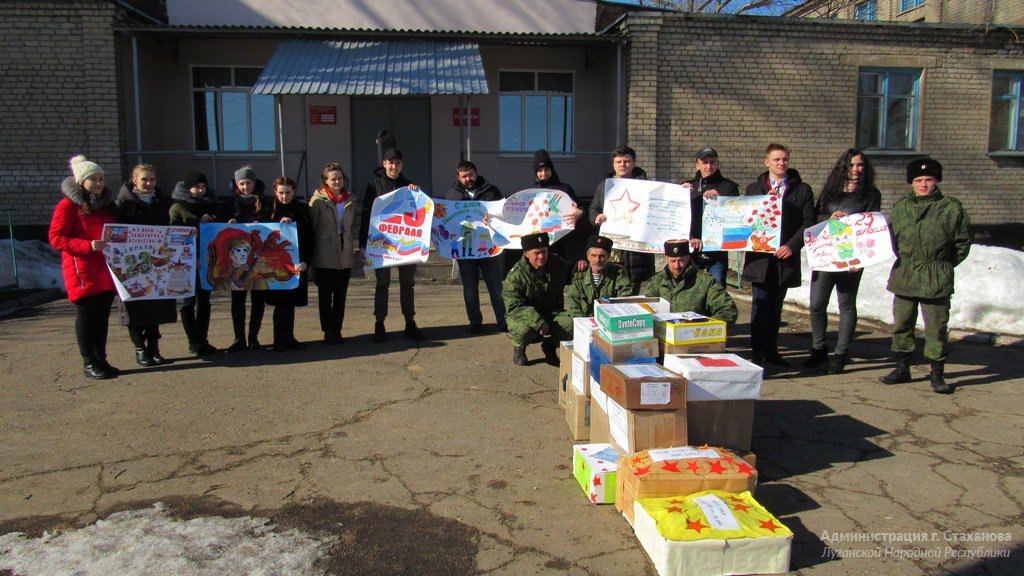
column 657, row 397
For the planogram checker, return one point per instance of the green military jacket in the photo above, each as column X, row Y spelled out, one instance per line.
column 533, row 296
column 695, row 291
column 930, row 237
column 582, row 292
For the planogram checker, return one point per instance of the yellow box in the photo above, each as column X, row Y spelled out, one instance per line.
column 681, row 328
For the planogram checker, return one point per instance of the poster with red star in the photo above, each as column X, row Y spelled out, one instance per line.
column 530, row 211
column 643, row 214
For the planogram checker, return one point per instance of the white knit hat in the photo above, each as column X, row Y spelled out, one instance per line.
column 83, row 168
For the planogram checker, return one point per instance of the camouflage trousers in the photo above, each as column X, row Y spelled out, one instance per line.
column 936, row 322
column 559, row 328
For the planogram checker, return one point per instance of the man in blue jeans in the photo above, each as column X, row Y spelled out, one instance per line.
column 772, row 274
column 469, row 185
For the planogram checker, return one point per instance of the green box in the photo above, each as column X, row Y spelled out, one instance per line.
column 595, row 467
column 624, row 322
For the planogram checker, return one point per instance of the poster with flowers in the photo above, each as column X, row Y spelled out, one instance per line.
column 742, row 223
column 151, row 262
column 527, row 212
column 849, row 243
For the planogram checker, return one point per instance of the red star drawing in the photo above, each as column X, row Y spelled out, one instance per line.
column 674, row 509
column 737, row 500
column 593, row 497
column 693, row 466
column 770, row 525
column 741, row 508
column 716, row 468
column 642, row 470
column 671, row 466
column 597, row 480
column 697, row 525
column 745, row 469
column 674, row 501
column 637, row 460
column 625, row 204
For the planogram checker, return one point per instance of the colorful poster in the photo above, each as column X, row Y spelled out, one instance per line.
column 249, row 256
column 644, row 214
column 742, row 223
column 529, row 211
column 458, row 231
column 856, row 241
column 399, row 229
column 151, row 262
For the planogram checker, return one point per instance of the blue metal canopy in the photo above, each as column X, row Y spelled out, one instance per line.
column 373, row 68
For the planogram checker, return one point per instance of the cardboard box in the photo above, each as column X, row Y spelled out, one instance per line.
column 598, row 359
column 680, row 471
column 712, row 533
column 635, row 430
column 688, row 328
column 721, row 392
column 618, row 352
column 577, row 414
column 599, row 430
column 564, row 369
column 594, row 466
column 580, row 375
column 655, row 304
column 582, row 335
column 706, row 348
column 624, row 322
column 643, row 386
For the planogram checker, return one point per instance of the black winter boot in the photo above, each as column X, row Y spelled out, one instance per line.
column 901, row 375
column 95, row 371
column 939, row 385
column 100, row 360
column 153, row 348
column 837, row 364
column 519, row 356
column 142, row 357
column 550, row 348
column 819, row 356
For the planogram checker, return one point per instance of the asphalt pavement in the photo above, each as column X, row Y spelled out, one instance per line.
column 442, row 457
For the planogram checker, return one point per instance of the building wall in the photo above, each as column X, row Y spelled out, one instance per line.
column 58, row 97
column 738, row 83
column 999, row 12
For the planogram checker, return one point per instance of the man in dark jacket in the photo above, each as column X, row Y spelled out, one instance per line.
column 469, row 185
column 639, row 266
column 389, row 178
column 930, row 238
column 708, row 183
column 772, row 274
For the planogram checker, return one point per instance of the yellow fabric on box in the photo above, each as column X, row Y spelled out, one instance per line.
column 713, row 515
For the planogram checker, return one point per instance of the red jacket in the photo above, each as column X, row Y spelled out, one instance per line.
column 72, row 232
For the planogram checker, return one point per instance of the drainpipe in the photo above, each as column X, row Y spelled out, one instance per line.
column 280, row 129
column 138, row 103
column 618, row 94
column 469, row 128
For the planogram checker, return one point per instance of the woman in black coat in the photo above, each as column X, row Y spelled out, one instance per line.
column 286, row 209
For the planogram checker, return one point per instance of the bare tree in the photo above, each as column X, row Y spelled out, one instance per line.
column 820, row 8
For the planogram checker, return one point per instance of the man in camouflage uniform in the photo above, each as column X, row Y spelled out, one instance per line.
column 688, row 289
column 930, row 238
column 534, row 303
column 601, row 279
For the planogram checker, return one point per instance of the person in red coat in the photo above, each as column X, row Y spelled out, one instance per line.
column 77, row 231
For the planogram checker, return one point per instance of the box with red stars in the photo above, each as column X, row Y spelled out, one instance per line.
column 679, row 471
column 594, row 466
column 711, row 533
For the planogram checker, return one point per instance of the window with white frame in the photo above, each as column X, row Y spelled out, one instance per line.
column 1006, row 132
column 227, row 115
column 888, row 101
column 910, row 4
column 867, row 10
column 535, row 111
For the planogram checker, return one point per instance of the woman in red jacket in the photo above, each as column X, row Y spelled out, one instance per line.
column 76, row 230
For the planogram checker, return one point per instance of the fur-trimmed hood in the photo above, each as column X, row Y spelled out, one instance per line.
column 181, row 194
column 70, row 188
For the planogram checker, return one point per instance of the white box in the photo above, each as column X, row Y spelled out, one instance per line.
column 717, row 376
column 580, row 374
column 583, row 335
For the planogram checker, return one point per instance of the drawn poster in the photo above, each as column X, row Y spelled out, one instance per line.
column 742, row 223
column 249, row 256
column 856, row 241
column 399, row 229
column 458, row 231
column 644, row 214
column 529, row 211
column 151, row 262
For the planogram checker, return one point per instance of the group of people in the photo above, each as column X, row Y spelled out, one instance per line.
column 929, row 231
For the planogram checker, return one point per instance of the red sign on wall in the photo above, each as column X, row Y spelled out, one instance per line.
column 323, row 114
column 464, row 117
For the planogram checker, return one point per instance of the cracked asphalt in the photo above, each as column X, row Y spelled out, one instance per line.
column 441, row 457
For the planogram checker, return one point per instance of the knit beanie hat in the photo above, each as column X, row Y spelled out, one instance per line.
column 83, row 168
column 192, row 178
column 245, row 173
column 541, row 159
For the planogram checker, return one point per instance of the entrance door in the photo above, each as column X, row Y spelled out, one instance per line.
column 408, row 119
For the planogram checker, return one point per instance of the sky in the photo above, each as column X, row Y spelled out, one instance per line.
column 989, row 293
